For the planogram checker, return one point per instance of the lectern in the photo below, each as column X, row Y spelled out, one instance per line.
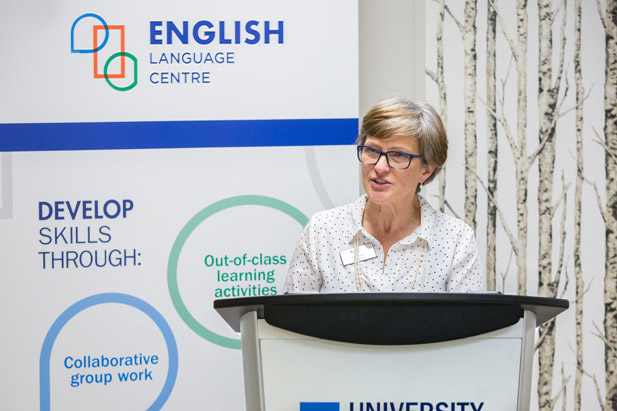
column 388, row 351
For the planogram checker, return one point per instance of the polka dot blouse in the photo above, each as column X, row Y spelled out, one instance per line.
column 441, row 255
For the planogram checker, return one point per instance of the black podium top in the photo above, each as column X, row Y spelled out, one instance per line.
column 390, row 318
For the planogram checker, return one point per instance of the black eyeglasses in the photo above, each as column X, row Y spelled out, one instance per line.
column 395, row 159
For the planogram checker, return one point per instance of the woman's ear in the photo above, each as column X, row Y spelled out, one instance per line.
column 427, row 171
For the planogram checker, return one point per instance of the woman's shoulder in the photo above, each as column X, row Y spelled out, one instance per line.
column 443, row 221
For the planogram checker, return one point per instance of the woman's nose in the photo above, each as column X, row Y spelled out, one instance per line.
column 382, row 163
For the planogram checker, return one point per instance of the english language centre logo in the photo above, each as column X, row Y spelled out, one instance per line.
column 90, row 34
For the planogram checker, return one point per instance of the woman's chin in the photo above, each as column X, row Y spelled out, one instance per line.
column 378, row 197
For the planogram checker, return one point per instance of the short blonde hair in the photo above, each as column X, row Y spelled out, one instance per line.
column 401, row 116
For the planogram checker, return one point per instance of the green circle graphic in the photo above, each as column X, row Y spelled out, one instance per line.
column 110, row 59
column 187, row 230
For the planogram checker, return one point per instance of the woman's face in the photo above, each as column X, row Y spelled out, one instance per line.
column 390, row 186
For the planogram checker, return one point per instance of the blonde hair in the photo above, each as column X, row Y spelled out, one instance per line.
column 401, row 116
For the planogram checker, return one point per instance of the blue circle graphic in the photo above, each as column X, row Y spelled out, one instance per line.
column 69, row 313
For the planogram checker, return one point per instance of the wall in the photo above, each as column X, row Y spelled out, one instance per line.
column 528, row 107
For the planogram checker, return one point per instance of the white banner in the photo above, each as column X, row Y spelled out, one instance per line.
column 157, row 156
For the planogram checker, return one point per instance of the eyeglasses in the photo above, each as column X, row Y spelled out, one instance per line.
column 395, row 159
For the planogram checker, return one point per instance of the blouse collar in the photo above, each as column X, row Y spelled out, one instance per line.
column 428, row 216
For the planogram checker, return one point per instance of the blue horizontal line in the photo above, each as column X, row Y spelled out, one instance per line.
column 319, row 406
column 176, row 134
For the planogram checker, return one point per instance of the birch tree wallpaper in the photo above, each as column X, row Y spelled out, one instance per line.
column 528, row 93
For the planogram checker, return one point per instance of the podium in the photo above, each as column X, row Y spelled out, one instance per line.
column 388, row 351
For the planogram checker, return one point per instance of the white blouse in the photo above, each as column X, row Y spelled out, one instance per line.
column 441, row 255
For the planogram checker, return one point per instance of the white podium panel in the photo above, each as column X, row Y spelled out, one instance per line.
column 477, row 373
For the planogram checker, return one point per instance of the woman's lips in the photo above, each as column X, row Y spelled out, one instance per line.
column 379, row 183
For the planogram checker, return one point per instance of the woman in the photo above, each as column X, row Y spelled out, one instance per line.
column 390, row 239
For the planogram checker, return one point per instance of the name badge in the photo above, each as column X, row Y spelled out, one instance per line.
column 365, row 252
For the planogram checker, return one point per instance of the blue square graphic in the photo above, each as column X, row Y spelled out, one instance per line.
column 319, row 406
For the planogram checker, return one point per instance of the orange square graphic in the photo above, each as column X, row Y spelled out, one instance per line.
column 96, row 29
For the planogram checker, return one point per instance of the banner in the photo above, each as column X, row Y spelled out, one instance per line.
column 156, row 156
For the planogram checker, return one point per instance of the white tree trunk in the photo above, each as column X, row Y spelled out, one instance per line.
column 522, row 168
column 441, row 85
column 492, row 146
column 547, row 113
column 471, row 146
column 578, row 200
column 610, row 133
